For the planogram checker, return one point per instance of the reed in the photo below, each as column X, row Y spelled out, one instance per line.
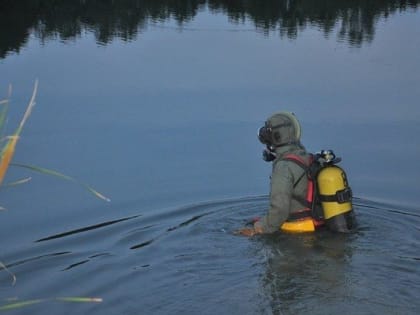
column 12, row 304
column 8, row 147
column 7, row 151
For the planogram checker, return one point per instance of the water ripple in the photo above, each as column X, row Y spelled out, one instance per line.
column 191, row 253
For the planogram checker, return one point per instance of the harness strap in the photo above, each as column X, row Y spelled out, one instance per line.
column 297, row 159
column 307, row 201
column 297, row 182
column 295, row 216
column 305, row 166
column 340, row 196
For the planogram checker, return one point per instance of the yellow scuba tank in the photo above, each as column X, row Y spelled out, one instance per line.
column 335, row 194
column 328, row 196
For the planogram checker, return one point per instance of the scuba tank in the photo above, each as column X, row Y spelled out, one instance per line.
column 334, row 193
column 328, row 196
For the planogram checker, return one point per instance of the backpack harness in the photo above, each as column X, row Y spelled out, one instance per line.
column 311, row 210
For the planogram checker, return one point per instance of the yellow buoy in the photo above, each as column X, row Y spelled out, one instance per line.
column 299, row 226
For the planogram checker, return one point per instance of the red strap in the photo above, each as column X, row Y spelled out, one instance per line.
column 301, row 161
column 296, row 158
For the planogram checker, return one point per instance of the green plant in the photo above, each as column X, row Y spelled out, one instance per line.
column 8, row 146
column 7, row 150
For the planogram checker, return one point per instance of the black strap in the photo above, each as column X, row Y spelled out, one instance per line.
column 340, row 196
column 294, row 216
column 299, row 179
column 299, row 163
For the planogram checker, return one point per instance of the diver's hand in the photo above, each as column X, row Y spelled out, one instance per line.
column 257, row 229
column 246, row 232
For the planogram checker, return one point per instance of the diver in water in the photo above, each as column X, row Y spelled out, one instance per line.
column 306, row 190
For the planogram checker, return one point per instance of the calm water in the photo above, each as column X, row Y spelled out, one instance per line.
column 156, row 104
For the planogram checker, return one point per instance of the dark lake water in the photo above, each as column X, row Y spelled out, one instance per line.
column 156, row 104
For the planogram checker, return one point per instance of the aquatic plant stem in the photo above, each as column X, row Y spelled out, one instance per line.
column 9, row 149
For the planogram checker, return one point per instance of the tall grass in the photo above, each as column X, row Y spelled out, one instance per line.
column 8, row 146
column 13, row 304
column 7, row 150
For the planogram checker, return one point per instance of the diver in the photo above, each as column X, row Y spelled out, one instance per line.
column 306, row 191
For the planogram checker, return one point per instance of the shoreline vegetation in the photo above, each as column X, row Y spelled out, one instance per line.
column 9, row 143
column 7, row 147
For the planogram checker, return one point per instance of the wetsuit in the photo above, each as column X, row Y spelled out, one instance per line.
column 284, row 197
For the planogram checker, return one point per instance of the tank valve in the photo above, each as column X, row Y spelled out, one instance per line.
column 328, row 157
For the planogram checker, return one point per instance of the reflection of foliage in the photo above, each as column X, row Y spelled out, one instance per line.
column 356, row 18
column 66, row 19
column 124, row 19
column 107, row 18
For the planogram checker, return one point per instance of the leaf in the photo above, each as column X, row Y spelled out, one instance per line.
column 4, row 109
column 9, row 272
column 7, row 155
column 80, row 299
column 44, row 171
column 96, row 193
column 18, row 182
column 20, row 304
column 3, row 114
column 63, row 176
column 28, row 109
column 9, row 149
column 11, row 306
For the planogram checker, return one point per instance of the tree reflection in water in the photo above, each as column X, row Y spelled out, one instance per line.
column 125, row 19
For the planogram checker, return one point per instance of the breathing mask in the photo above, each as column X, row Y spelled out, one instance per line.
column 280, row 129
column 265, row 134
